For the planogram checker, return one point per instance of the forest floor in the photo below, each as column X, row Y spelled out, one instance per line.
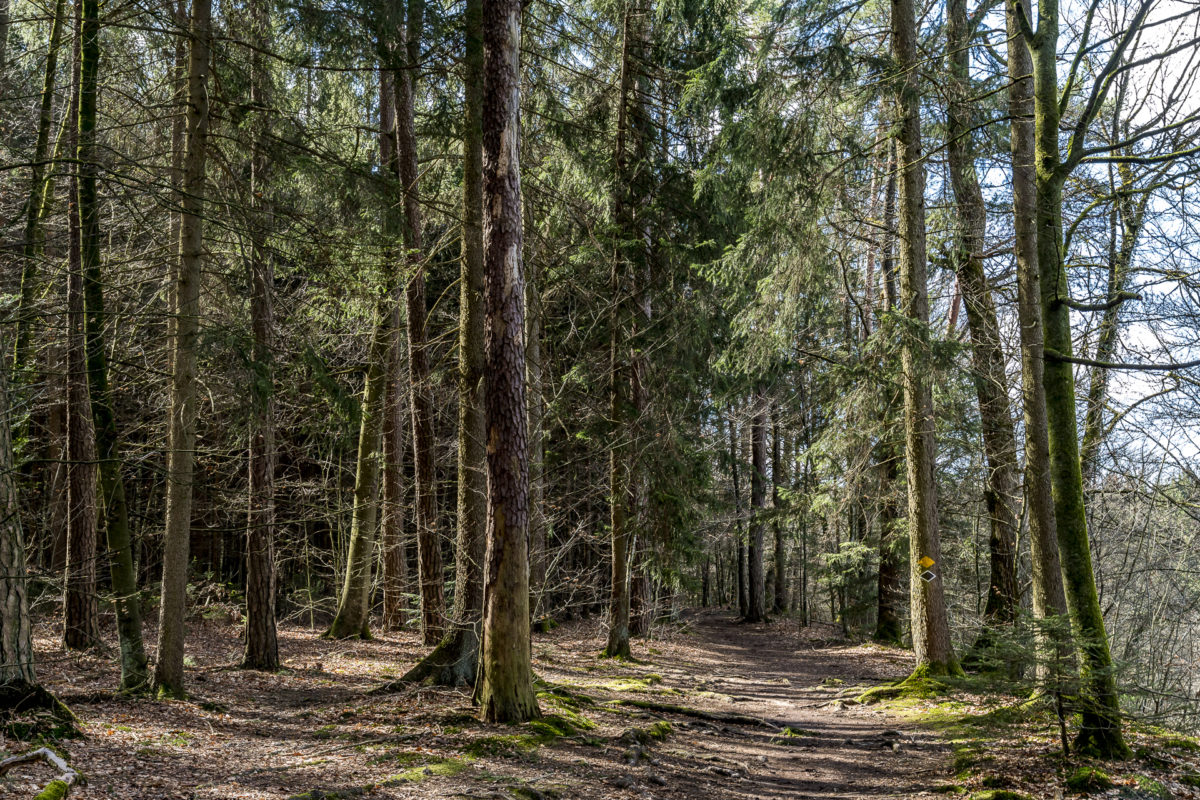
column 711, row 709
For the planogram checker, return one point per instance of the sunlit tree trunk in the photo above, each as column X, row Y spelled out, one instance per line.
column 181, row 443
column 930, row 626
column 1100, row 733
column 505, row 689
column 1047, row 586
column 987, row 354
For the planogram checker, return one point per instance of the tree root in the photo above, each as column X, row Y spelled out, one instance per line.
column 696, row 713
column 56, row 789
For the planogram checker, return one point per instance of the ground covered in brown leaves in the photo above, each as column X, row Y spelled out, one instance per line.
column 712, row 709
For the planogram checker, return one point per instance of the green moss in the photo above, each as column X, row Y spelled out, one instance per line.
column 999, row 794
column 55, row 790
column 634, row 683
column 1149, row 787
column 403, row 758
column 446, row 768
column 949, row 788
column 918, row 686
column 1087, row 780
column 325, row 732
column 994, row 781
column 1190, row 779
column 788, row 732
column 1181, row 743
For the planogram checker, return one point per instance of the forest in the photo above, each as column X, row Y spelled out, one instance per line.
column 604, row 399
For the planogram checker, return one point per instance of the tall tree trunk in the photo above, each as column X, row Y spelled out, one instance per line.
column 16, row 630
column 930, row 626
column 743, row 585
column 1047, row 587
column 455, row 661
column 395, row 414
column 505, row 687
column 988, row 359
column 539, row 555
column 757, row 611
column 890, row 591
column 778, row 481
column 429, row 550
column 81, row 626
column 134, row 668
column 621, row 488
column 35, row 208
column 262, row 646
column 1101, row 729
column 181, row 445
column 353, row 616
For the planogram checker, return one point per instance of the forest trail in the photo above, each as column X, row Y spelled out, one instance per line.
column 792, row 680
column 755, row 712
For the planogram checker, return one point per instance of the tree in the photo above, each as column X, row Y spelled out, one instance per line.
column 81, row 626
column 429, row 551
column 172, row 626
column 135, row 674
column 930, row 626
column 353, row 616
column 455, row 661
column 757, row 611
column 262, row 646
column 987, row 354
column 17, row 678
column 1047, row 586
column 505, row 689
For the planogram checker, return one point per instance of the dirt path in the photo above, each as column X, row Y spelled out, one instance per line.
column 312, row 732
column 783, row 676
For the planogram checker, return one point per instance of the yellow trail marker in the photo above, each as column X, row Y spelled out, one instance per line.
column 926, row 562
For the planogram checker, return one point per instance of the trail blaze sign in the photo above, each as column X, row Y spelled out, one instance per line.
column 926, row 562
column 927, row 576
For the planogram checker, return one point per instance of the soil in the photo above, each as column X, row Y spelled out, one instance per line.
column 779, row 724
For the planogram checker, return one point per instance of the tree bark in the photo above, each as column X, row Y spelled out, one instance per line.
column 1100, row 733
column 890, row 587
column 168, row 671
column 16, row 630
column 930, row 626
column 778, row 481
column 81, row 625
column 35, row 208
column 987, row 354
column 1047, row 586
column 621, row 383
column 353, row 616
column 395, row 408
column 429, row 550
column 455, row 661
column 756, row 611
column 135, row 674
column 505, row 687
column 262, row 645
